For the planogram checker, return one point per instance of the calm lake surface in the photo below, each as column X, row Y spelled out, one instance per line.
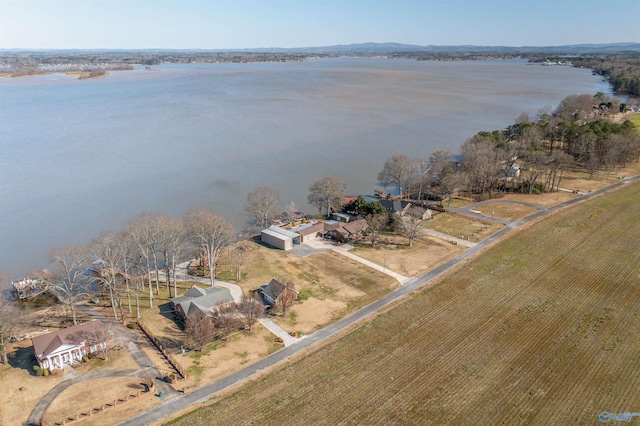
column 81, row 156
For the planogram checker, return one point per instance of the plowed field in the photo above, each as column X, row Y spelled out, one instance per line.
column 540, row 329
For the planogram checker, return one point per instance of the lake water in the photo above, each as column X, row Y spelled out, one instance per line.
column 81, row 156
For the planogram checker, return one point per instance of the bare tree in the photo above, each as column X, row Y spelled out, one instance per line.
column 199, row 328
column 262, row 204
column 397, row 170
column 212, row 233
column 171, row 242
column 327, row 193
column 9, row 320
column 109, row 255
column 251, row 308
column 376, row 224
column 292, row 211
column 227, row 321
column 99, row 337
column 69, row 282
column 287, row 297
column 143, row 231
column 240, row 255
column 410, row 227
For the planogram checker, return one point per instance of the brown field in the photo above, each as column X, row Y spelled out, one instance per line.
column 547, row 199
column 540, row 329
column 394, row 252
column 507, row 211
column 457, row 225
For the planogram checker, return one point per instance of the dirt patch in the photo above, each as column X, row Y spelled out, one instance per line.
column 394, row 253
column 221, row 358
column 507, row 211
column 464, row 227
column 310, row 315
column 548, row 199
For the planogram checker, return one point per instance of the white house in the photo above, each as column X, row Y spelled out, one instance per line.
column 68, row 346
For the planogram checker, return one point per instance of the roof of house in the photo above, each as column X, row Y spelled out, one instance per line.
column 75, row 335
column 356, row 226
column 205, row 298
column 343, row 217
column 393, row 206
column 310, row 229
column 276, row 235
column 283, row 231
column 274, row 289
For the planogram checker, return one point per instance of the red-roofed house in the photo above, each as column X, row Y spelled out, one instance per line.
column 68, row 346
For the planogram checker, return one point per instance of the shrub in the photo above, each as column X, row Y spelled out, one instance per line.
column 36, row 368
column 85, row 358
column 132, row 325
column 45, row 372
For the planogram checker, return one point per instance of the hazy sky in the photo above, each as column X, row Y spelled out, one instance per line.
column 218, row 24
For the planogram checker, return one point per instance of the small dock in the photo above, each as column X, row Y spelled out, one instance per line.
column 27, row 288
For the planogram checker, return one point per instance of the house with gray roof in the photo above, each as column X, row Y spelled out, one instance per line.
column 207, row 300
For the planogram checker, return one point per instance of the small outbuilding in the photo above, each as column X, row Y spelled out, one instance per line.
column 279, row 237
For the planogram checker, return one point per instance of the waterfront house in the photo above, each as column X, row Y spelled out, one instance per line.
column 67, row 346
column 203, row 299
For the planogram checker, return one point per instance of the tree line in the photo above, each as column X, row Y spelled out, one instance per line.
column 528, row 156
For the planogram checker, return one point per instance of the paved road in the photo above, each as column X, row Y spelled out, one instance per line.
column 204, row 393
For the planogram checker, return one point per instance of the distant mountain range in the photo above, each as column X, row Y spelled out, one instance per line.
column 392, row 48
column 379, row 48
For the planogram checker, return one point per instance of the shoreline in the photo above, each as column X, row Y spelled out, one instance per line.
column 76, row 74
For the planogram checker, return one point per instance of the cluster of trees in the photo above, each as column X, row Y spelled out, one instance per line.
column 128, row 263
column 622, row 71
column 528, row 156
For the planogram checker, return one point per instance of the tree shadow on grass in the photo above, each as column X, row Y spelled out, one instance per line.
column 23, row 358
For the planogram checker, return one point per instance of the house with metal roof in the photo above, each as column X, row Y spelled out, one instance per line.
column 206, row 300
column 279, row 237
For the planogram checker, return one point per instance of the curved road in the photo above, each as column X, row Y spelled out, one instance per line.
column 204, row 393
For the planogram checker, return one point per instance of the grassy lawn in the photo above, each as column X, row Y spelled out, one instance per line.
column 393, row 251
column 635, row 119
column 83, row 397
column 508, row 211
column 540, row 329
column 458, row 226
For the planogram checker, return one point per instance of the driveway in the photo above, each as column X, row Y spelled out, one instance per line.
column 121, row 336
column 343, row 249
